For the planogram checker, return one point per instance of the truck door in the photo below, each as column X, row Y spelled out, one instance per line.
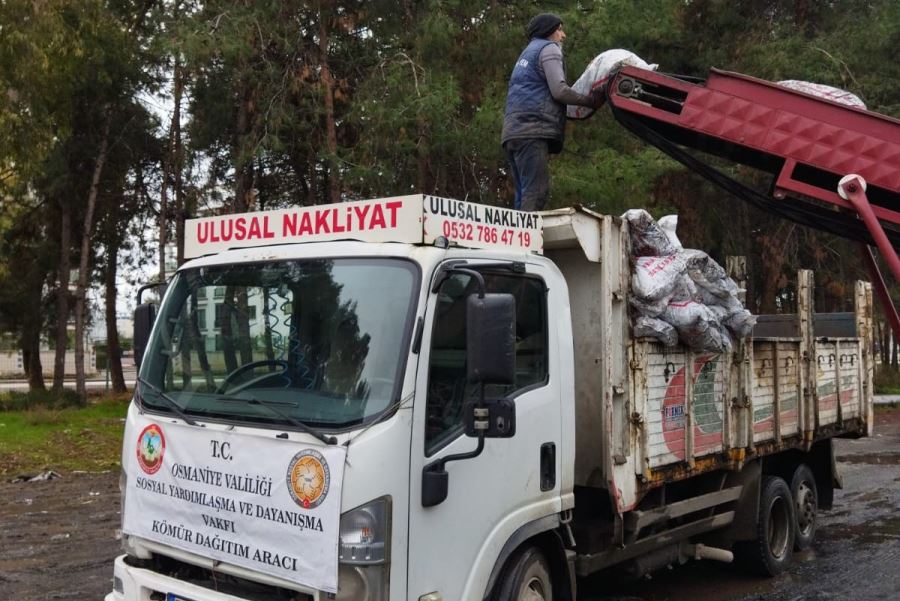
column 454, row 545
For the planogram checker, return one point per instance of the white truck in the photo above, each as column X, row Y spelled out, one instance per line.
column 425, row 399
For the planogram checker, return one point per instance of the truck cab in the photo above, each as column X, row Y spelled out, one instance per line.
column 302, row 400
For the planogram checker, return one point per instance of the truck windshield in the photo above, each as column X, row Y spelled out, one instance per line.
column 320, row 341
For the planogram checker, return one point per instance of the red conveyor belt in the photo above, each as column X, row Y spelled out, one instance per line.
column 807, row 143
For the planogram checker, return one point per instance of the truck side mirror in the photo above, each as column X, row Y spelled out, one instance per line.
column 144, row 316
column 490, row 359
column 491, row 338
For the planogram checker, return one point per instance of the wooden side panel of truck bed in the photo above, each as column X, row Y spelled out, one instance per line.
column 646, row 415
column 697, row 412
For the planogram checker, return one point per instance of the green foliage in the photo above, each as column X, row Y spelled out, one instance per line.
column 405, row 96
column 887, row 380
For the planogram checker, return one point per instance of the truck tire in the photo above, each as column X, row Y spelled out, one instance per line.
column 806, row 507
column 770, row 552
column 527, row 578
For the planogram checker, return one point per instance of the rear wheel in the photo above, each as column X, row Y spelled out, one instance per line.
column 770, row 553
column 806, row 507
column 527, row 578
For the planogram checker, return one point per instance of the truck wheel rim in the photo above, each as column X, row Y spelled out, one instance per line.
column 778, row 527
column 806, row 508
column 534, row 591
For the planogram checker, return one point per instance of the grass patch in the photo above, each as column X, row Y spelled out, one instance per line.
column 887, row 380
column 63, row 438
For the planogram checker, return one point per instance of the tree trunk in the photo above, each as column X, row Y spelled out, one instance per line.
column 113, row 242
column 84, row 263
column 773, row 250
column 31, row 346
column 113, row 348
column 179, row 160
column 199, row 341
column 334, row 179
column 895, row 353
column 167, row 162
column 228, row 349
column 312, row 195
column 243, row 327
column 62, row 296
column 243, row 165
column 163, row 217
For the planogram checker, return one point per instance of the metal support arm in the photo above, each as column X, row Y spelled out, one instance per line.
column 853, row 188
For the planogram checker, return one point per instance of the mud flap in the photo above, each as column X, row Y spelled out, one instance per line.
column 747, row 506
column 824, row 466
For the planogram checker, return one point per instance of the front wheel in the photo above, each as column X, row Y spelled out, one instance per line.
column 527, row 578
column 770, row 552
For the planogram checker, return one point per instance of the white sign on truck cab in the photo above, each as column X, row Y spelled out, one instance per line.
column 253, row 501
column 413, row 219
column 408, row 398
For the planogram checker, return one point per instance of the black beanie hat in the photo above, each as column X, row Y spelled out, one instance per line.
column 543, row 25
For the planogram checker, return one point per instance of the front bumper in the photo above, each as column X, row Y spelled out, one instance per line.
column 140, row 584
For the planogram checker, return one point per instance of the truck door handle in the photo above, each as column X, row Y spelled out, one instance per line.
column 548, row 466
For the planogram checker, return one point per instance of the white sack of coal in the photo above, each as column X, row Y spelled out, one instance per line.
column 655, row 278
column 669, row 224
column 597, row 74
column 729, row 311
column 685, row 289
column 647, row 238
column 709, row 275
column 697, row 326
column 741, row 322
column 823, row 91
column 649, row 308
column 655, row 328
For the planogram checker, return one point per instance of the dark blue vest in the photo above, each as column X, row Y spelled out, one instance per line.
column 531, row 111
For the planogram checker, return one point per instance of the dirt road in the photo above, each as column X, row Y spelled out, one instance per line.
column 57, row 540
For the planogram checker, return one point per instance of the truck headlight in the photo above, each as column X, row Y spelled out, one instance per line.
column 364, row 552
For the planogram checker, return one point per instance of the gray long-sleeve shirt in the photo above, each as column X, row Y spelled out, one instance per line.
column 551, row 63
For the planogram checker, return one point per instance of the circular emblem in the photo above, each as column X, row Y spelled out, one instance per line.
column 308, row 478
column 151, row 446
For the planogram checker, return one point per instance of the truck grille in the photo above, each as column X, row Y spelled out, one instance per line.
column 217, row 581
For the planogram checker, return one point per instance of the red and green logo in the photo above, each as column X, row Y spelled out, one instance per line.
column 151, row 446
column 707, row 409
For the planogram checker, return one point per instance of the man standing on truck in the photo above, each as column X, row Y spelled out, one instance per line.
column 534, row 124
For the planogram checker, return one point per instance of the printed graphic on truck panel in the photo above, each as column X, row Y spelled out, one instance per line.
column 667, row 408
column 848, row 366
column 833, row 358
column 776, row 382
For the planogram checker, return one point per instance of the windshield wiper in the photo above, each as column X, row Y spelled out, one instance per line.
column 173, row 404
column 271, row 406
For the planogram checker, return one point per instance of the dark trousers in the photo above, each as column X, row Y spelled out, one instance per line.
column 528, row 161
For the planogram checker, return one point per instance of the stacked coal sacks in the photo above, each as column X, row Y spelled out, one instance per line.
column 681, row 294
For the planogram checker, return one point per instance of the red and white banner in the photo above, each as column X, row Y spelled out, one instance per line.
column 413, row 219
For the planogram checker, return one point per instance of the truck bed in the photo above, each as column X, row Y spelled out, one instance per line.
column 648, row 415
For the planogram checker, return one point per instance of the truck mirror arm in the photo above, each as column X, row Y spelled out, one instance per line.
column 435, row 478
